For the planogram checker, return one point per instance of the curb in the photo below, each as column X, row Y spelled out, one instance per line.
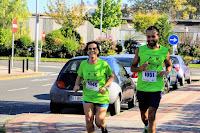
column 22, row 75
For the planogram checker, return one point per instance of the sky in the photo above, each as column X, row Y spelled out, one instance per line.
column 42, row 4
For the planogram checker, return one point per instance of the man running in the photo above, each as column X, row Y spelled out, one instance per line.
column 150, row 82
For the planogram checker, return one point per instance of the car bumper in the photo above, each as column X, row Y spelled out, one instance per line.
column 62, row 96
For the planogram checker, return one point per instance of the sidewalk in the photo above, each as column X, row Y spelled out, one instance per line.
column 17, row 73
column 178, row 113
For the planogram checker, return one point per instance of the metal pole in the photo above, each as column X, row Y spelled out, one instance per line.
column 12, row 50
column 27, row 64
column 23, row 63
column 101, row 17
column 9, row 64
column 36, row 38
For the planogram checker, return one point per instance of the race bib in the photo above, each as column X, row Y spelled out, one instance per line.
column 149, row 76
column 92, row 85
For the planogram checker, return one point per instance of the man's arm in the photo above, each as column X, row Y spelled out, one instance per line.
column 168, row 65
column 136, row 60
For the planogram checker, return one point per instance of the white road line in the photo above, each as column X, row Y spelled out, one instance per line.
column 48, row 85
column 19, row 89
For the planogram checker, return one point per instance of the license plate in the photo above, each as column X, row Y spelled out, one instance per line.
column 75, row 98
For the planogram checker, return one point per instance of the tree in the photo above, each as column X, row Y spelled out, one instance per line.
column 143, row 21
column 177, row 9
column 111, row 15
column 9, row 10
column 66, row 13
column 165, row 28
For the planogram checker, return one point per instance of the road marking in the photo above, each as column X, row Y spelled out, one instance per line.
column 42, row 79
column 19, row 89
column 48, row 85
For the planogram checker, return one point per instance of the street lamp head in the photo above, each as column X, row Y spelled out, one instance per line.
column 20, row 23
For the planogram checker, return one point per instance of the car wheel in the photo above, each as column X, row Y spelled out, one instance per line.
column 55, row 107
column 115, row 107
column 189, row 80
column 182, row 81
column 175, row 86
column 166, row 87
column 133, row 102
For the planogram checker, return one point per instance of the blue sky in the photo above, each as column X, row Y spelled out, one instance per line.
column 43, row 3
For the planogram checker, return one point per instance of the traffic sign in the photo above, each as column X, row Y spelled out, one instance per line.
column 14, row 26
column 173, row 39
column 43, row 35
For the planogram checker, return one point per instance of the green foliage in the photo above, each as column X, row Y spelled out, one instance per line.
column 111, row 15
column 71, row 45
column 9, row 10
column 61, row 42
column 66, row 13
column 108, row 45
column 23, row 42
column 165, row 31
column 130, row 45
column 177, row 9
column 118, row 48
column 143, row 21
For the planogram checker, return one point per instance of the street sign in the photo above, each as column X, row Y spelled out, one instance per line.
column 173, row 39
column 14, row 26
column 43, row 35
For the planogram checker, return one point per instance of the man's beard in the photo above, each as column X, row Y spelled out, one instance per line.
column 153, row 44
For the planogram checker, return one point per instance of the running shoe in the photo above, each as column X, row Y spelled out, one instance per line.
column 104, row 130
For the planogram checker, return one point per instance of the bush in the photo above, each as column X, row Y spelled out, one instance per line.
column 130, row 45
column 107, row 45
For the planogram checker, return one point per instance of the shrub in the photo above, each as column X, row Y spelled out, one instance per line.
column 107, row 45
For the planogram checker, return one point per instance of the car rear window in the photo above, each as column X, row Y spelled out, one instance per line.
column 174, row 60
column 126, row 62
column 72, row 66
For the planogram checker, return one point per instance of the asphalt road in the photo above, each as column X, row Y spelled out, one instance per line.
column 29, row 94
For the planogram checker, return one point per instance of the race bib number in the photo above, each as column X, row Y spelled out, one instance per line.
column 149, row 76
column 92, row 85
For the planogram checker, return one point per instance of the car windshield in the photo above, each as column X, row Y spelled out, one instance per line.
column 174, row 60
column 126, row 62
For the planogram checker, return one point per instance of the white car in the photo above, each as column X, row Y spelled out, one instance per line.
column 126, row 60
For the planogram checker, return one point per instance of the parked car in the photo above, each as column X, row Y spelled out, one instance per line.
column 195, row 61
column 170, row 80
column 126, row 60
column 182, row 69
column 122, row 90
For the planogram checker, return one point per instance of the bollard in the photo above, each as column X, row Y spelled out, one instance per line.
column 9, row 66
column 23, row 66
column 27, row 64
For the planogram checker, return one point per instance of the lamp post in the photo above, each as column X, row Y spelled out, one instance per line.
column 21, row 24
column 101, row 17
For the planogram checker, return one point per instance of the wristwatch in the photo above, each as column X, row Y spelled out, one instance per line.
column 106, row 87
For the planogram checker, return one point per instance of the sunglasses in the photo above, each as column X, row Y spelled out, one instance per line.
column 92, row 48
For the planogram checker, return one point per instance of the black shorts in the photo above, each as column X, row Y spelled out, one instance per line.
column 148, row 99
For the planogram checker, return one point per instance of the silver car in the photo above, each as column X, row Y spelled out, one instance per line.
column 122, row 90
column 183, row 71
column 126, row 60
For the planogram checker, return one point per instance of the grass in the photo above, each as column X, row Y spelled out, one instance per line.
column 42, row 59
column 2, row 130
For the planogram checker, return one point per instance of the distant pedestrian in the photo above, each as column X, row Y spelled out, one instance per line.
column 150, row 83
column 94, row 71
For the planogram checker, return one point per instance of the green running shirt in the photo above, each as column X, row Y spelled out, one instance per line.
column 155, row 58
column 96, row 72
